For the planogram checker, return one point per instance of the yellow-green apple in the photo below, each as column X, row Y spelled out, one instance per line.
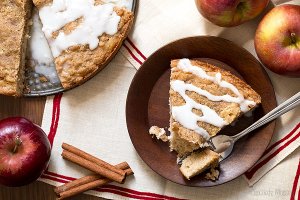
column 277, row 40
column 230, row 12
column 24, row 151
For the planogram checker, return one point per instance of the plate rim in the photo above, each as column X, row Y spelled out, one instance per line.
column 140, row 70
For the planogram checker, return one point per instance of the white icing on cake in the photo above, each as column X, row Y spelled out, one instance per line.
column 188, row 119
column 184, row 114
column 186, row 66
column 96, row 20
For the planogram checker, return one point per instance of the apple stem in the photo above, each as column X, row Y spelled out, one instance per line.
column 18, row 142
column 293, row 38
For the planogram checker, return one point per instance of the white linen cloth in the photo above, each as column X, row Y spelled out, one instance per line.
column 92, row 116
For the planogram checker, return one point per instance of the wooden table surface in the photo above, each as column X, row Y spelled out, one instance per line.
column 31, row 108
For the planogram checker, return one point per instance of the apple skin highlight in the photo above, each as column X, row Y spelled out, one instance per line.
column 24, row 151
column 277, row 40
column 228, row 13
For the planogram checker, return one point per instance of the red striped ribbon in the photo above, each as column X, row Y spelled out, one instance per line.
column 295, row 184
column 55, row 118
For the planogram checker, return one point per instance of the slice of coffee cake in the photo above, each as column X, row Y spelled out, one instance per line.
column 13, row 42
column 203, row 99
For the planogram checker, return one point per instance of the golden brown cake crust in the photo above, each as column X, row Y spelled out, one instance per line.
column 41, row 3
column 184, row 140
column 13, row 42
column 78, row 63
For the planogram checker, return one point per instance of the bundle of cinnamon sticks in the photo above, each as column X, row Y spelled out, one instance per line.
column 104, row 172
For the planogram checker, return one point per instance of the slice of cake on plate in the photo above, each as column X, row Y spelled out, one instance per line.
column 83, row 35
column 13, row 42
column 203, row 99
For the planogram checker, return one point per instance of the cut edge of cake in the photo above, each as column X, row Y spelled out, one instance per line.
column 12, row 72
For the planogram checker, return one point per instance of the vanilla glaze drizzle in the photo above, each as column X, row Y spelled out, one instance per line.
column 184, row 115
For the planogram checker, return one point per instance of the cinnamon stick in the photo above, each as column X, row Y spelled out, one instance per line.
column 87, row 186
column 93, row 166
column 91, row 158
column 86, row 179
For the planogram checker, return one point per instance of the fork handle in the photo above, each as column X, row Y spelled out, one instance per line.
column 286, row 106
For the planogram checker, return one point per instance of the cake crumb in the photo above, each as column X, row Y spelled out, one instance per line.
column 159, row 133
column 212, row 175
column 43, row 79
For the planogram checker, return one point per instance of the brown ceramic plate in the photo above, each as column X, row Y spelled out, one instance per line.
column 147, row 105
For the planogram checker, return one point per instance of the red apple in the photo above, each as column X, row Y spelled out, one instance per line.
column 230, row 12
column 277, row 40
column 24, row 151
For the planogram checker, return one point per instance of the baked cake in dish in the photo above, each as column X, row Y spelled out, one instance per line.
column 78, row 38
column 203, row 99
column 83, row 35
column 13, row 41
